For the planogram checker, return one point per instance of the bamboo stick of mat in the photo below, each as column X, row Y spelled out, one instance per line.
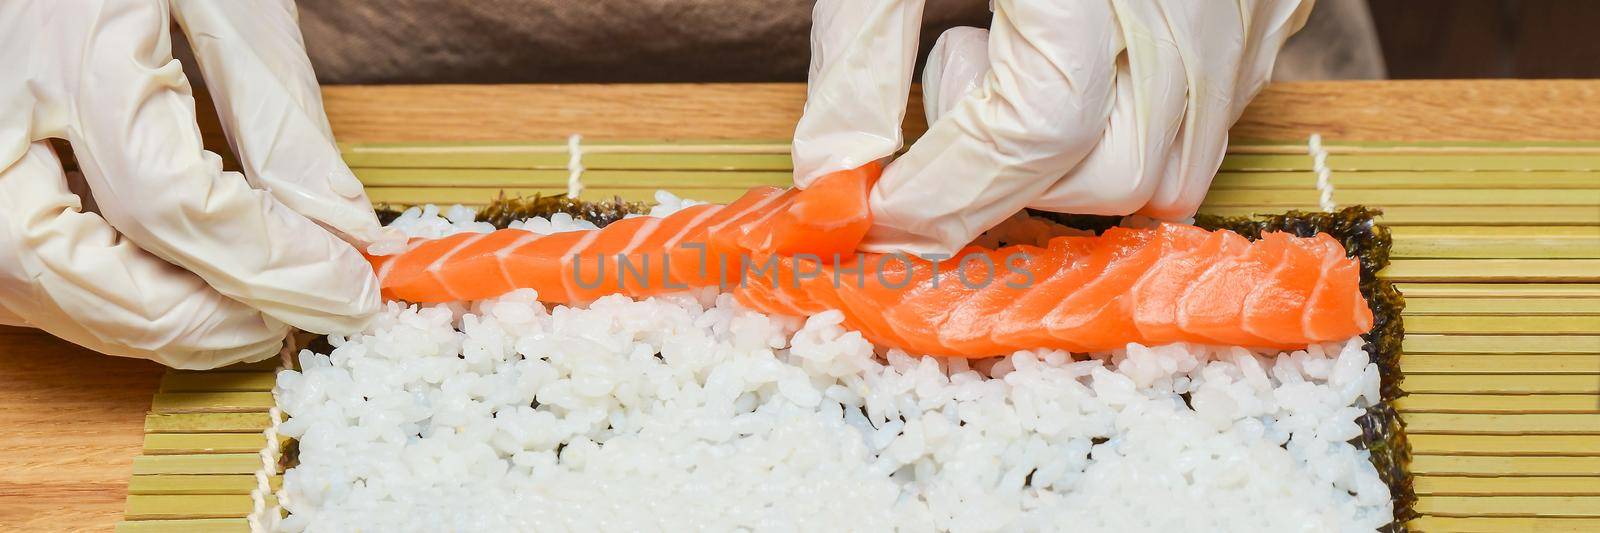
column 1498, row 290
column 1509, row 486
column 1503, row 306
column 1498, row 402
column 1480, row 524
column 178, row 484
column 1528, row 364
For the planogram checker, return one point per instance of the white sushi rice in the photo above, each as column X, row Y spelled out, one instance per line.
column 689, row 412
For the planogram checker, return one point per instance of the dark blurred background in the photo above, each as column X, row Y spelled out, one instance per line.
column 565, row 41
column 1489, row 38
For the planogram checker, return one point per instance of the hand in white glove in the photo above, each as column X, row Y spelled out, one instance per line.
column 1106, row 107
column 191, row 266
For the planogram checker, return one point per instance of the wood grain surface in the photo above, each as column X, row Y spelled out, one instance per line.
column 73, row 420
column 1431, row 110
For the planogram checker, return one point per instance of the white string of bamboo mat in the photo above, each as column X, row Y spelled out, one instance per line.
column 574, row 165
column 1319, row 164
column 264, row 519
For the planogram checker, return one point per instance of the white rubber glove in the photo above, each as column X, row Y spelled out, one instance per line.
column 1107, row 107
column 862, row 55
column 191, row 266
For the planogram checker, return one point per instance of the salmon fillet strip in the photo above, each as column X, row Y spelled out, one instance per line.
column 1170, row 283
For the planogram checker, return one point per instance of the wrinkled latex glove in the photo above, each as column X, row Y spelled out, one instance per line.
column 186, row 264
column 1106, row 107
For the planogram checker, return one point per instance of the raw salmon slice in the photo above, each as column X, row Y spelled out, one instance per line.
column 1336, row 306
column 473, row 271
column 1099, row 313
column 702, row 263
column 411, row 275
column 1020, row 325
column 543, row 264
column 597, row 268
column 1275, row 309
column 1213, row 306
column 774, row 287
column 823, row 290
column 726, row 240
column 867, row 303
column 676, row 272
column 969, row 327
column 926, row 307
column 1155, row 297
column 892, row 293
column 828, row 220
column 794, row 274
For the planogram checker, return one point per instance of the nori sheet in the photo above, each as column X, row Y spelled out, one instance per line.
column 1383, row 431
column 505, row 209
column 387, row 214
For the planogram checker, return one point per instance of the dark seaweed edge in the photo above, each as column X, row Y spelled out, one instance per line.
column 1382, row 430
column 386, row 213
column 504, row 210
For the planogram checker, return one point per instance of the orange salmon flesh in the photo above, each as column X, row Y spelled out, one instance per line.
column 791, row 251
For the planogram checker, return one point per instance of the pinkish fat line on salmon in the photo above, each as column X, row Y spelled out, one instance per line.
column 1170, row 283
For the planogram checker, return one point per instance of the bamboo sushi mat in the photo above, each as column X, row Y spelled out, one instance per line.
column 1496, row 248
